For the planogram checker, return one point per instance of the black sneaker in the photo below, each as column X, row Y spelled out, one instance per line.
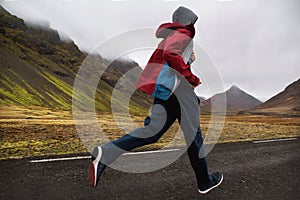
column 216, row 180
column 96, row 167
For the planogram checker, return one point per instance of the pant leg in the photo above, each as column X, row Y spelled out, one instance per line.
column 197, row 157
column 163, row 115
column 198, row 160
column 189, row 120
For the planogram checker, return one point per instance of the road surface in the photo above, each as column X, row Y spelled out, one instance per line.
column 251, row 171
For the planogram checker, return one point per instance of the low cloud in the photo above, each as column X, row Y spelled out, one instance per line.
column 255, row 44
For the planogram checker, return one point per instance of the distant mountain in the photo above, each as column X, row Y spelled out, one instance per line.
column 38, row 68
column 202, row 99
column 236, row 100
column 286, row 103
column 118, row 69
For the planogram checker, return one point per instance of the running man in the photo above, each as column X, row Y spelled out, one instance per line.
column 168, row 78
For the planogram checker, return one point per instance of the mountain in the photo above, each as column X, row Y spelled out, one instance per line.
column 236, row 100
column 38, row 68
column 286, row 103
column 126, row 73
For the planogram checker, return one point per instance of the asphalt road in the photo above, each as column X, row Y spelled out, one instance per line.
column 251, row 171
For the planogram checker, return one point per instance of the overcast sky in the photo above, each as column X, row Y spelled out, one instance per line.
column 255, row 44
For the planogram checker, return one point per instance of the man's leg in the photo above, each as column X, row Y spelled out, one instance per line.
column 163, row 115
column 196, row 154
column 197, row 158
column 189, row 120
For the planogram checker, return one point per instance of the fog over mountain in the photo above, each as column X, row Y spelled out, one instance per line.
column 255, row 44
column 37, row 68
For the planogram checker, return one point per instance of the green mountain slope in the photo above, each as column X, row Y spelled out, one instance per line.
column 38, row 68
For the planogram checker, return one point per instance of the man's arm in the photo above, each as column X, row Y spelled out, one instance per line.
column 174, row 46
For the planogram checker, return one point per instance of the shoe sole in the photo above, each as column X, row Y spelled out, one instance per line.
column 96, row 156
column 209, row 189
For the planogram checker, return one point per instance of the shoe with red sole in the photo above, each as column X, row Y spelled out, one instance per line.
column 96, row 168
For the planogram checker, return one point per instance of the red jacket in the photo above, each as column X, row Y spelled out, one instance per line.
column 175, row 39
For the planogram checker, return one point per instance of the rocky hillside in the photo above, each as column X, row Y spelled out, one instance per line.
column 286, row 103
column 38, row 68
column 236, row 100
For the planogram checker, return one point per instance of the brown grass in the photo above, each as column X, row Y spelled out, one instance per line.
column 36, row 131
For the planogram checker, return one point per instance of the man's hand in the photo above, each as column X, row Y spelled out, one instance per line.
column 193, row 57
column 197, row 85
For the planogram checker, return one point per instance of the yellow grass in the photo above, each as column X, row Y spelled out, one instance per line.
column 38, row 131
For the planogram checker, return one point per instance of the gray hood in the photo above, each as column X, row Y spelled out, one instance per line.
column 184, row 16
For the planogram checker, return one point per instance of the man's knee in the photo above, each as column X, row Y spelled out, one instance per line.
column 149, row 135
column 147, row 121
column 151, row 140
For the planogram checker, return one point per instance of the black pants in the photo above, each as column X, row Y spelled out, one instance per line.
column 163, row 115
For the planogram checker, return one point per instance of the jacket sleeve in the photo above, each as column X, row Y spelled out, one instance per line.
column 174, row 46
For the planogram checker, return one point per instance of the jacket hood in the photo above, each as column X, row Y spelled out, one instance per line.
column 184, row 16
column 167, row 28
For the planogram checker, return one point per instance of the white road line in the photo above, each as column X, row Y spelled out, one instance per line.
column 88, row 157
column 60, row 159
column 276, row 140
column 148, row 152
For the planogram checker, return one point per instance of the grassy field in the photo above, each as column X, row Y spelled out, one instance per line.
column 36, row 131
